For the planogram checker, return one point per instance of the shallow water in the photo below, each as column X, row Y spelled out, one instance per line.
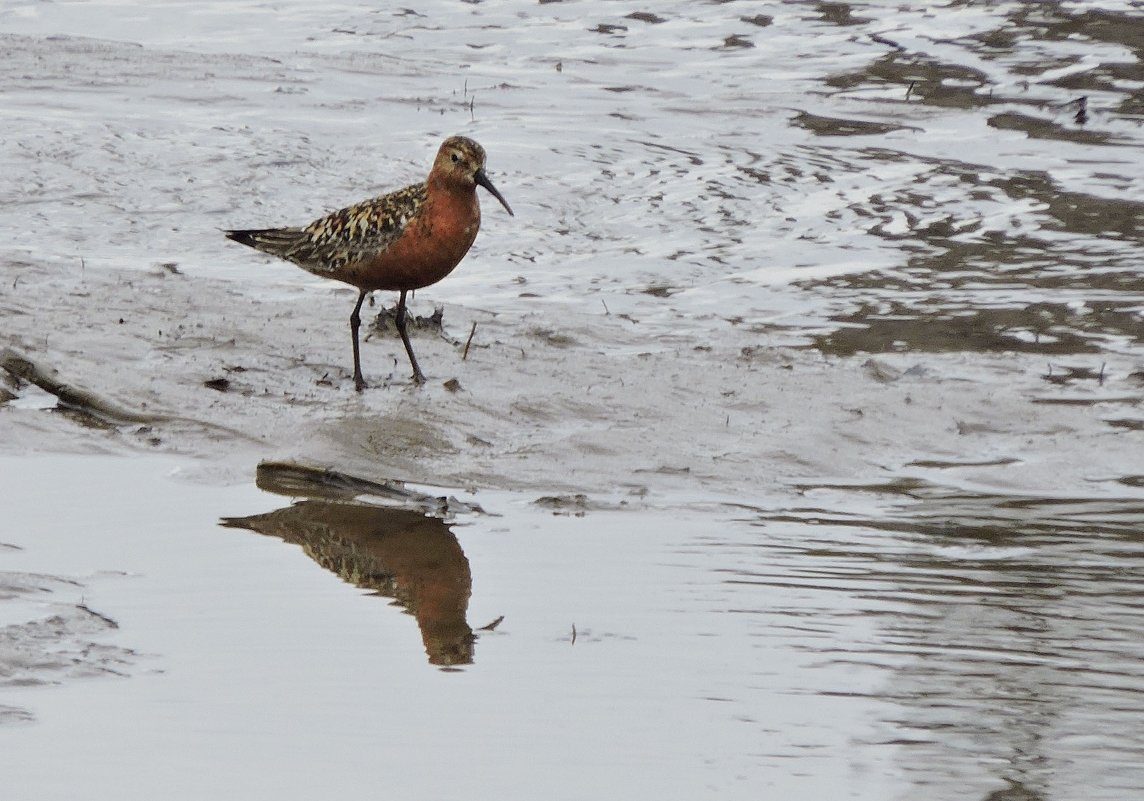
column 962, row 620
column 870, row 642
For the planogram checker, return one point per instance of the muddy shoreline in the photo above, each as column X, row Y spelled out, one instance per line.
column 547, row 402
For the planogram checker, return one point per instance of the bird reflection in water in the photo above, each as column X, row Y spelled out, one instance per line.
column 398, row 553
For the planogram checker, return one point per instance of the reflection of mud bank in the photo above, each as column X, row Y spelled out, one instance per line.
column 52, row 648
column 1006, row 628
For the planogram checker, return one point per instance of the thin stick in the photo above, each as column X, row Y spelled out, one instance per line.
column 469, row 341
column 70, row 395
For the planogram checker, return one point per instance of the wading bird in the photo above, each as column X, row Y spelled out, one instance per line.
column 401, row 241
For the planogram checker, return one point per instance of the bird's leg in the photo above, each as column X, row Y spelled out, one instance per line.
column 418, row 376
column 355, row 324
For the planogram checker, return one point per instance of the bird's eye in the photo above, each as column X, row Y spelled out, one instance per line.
column 456, row 158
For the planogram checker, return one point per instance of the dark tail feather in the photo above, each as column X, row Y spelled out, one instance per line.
column 243, row 237
column 275, row 241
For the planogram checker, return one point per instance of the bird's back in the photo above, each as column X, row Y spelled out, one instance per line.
column 342, row 238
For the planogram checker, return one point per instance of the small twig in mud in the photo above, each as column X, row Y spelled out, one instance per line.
column 1082, row 111
column 606, row 310
column 84, row 607
column 1100, row 377
column 573, row 633
column 469, row 341
column 492, row 626
column 910, row 89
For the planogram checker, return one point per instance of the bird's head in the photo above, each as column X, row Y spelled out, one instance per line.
column 461, row 162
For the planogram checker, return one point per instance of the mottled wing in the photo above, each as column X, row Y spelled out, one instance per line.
column 346, row 236
column 358, row 232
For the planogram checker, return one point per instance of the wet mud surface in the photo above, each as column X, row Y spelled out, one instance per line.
column 839, row 306
column 583, row 403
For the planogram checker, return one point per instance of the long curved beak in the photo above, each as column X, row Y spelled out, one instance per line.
column 484, row 181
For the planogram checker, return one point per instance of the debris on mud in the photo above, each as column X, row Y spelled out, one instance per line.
column 297, row 480
column 69, row 395
column 386, row 320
